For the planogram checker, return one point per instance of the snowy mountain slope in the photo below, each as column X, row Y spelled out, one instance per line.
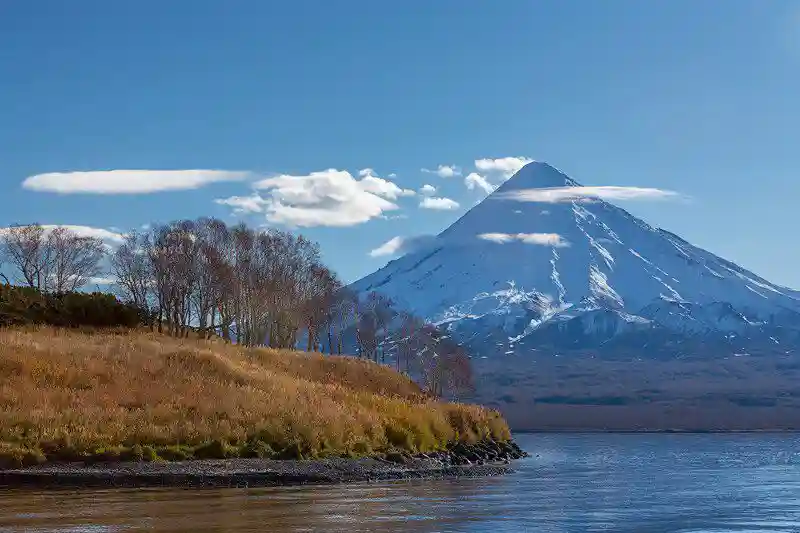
column 512, row 275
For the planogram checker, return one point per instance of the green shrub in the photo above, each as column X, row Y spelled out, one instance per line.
column 175, row 453
column 149, row 454
column 134, row 453
column 20, row 306
column 257, row 449
column 295, row 450
column 102, row 455
column 400, row 437
column 216, row 449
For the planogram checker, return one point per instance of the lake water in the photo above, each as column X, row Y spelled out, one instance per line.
column 573, row 483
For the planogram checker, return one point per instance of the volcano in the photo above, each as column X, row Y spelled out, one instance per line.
column 541, row 266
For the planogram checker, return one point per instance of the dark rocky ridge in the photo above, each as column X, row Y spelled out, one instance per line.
column 486, row 458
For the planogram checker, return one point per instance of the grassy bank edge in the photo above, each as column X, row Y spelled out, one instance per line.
column 50, row 376
column 455, row 453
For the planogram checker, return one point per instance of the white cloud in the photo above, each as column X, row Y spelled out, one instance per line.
column 504, row 166
column 88, row 231
column 390, row 247
column 476, row 181
column 443, row 204
column 444, row 171
column 542, row 239
column 128, row 181
column 100, row 280
column 325, row 198
column 401, row 245
column 381, row 187
column 427, row 190
column 499, row 238
column 244, row 204
column 553, row 195
column 109, row 238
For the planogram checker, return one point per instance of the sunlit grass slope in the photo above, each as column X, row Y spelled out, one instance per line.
column 69, row 395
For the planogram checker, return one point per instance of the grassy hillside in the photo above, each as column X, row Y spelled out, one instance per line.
column 70, row 395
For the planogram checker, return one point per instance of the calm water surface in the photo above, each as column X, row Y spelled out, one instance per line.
column 574, row 483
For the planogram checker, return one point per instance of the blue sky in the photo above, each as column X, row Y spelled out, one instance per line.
column 694, row 97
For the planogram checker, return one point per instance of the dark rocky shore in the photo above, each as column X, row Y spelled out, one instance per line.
column 461, row 460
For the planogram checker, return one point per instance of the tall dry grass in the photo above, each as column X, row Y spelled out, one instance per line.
column 65, row 393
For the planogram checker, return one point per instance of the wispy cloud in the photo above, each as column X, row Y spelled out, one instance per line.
column 476, row 181
column 444, row 171
column 442, row 204
column 106, row 235
column 542, row 239
column 88, row 231
column 110, row 238
column 427, row 190
column 102, row 280
column 128, row 181
column 554, row 195
column 505, row 166
column 401, row 245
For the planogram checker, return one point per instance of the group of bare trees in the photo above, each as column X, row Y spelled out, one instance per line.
column 439, row 362
column 418, row 348
column 50, row 259
column 252, row 287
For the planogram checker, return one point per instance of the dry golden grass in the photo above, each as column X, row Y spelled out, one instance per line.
column 88, row 393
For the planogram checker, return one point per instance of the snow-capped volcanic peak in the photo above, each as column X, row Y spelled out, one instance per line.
column 539, row 252
column 537, row 175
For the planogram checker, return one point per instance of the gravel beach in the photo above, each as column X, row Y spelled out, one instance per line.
column 463, row 461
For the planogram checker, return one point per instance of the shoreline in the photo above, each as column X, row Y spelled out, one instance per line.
column 463, row 460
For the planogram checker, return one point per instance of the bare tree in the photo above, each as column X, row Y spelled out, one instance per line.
column 132, row 271
column 373, row 316
column 444, row 365
column 54, row 260
column 72, row 260
column 24, row 249
column 409, row 341
column 340, row 317
column 318, row 304
column 172, row 251
column 210, row 287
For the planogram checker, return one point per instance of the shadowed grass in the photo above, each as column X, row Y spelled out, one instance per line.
column 70, row 395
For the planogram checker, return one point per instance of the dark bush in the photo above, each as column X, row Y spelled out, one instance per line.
column 26, row 306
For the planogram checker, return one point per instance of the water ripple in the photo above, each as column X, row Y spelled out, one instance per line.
column 573, row 483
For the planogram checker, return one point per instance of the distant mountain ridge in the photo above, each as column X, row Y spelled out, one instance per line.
column 568, row 274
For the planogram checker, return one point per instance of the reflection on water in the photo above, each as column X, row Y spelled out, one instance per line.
column 574, row 483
